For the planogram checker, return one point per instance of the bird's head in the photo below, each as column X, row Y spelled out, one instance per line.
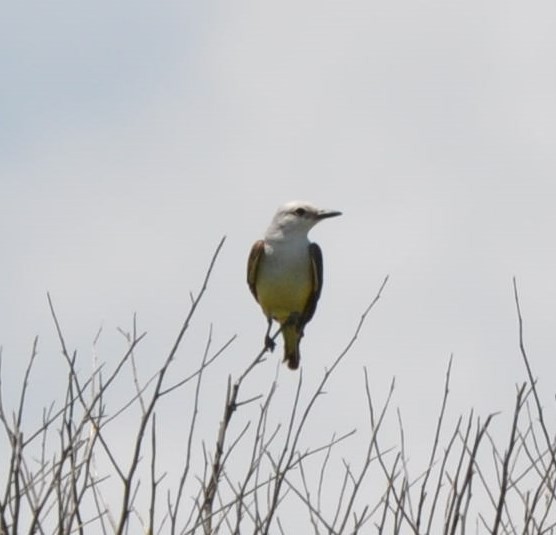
column 299, row 217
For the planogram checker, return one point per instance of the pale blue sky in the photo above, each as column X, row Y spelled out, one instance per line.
column 133, row 135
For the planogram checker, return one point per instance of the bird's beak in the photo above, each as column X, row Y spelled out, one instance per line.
column 325, row 214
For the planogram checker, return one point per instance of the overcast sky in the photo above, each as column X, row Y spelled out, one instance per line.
column 134, row 135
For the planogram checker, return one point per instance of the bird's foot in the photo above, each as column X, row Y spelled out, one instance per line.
column 269, row 343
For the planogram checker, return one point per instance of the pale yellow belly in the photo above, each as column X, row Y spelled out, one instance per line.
column 281, row 296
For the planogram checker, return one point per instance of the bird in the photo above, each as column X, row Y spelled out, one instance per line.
column 284, row 274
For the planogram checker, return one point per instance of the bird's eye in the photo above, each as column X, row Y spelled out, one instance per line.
column 300, row 212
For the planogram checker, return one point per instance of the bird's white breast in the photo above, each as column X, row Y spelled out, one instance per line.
column 284, row 281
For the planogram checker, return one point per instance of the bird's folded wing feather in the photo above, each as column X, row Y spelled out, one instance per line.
column 315, row 254
column 253, row 265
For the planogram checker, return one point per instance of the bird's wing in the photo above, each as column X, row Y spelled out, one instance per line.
column 253, row 265
column 315, row 254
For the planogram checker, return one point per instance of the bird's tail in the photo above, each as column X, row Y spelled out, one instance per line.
column 292, row 337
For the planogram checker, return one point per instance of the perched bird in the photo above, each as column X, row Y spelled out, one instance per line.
column 284, row 273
